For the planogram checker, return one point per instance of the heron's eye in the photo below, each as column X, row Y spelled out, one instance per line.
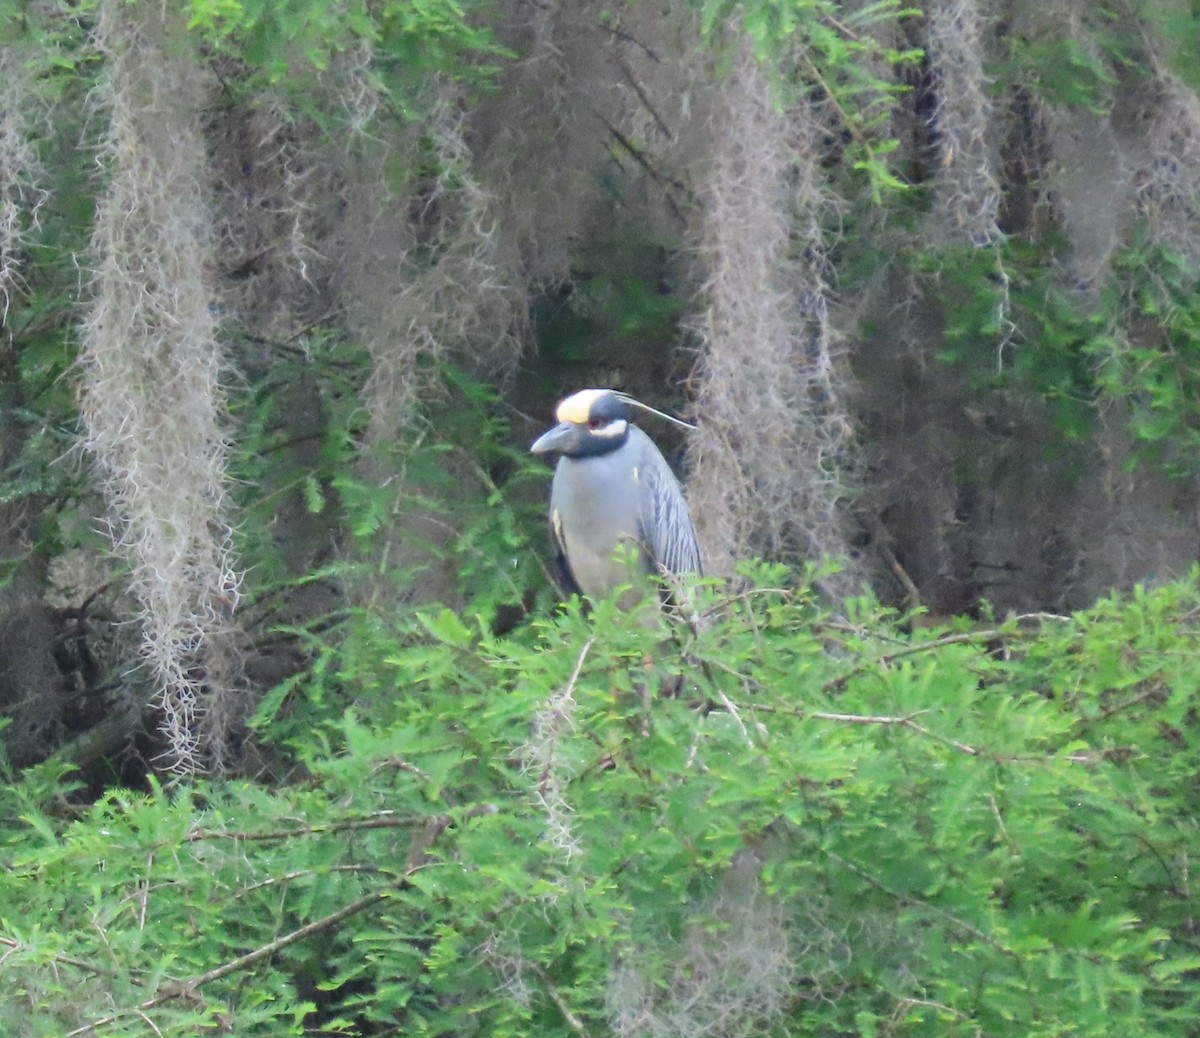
column 595, row 423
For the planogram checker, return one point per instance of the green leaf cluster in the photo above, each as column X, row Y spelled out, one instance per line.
column 1010, row 322
column 817, row 52
column 1155, row 365
column 408, row 40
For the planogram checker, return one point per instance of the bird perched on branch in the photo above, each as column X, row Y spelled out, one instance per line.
column 617, row 511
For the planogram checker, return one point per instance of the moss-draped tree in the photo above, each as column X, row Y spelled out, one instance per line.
column 286, row 289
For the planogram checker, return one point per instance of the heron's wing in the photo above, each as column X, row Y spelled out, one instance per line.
column 566, row 579
column 667, row 532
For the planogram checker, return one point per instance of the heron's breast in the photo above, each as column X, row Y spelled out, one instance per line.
column 596, row 504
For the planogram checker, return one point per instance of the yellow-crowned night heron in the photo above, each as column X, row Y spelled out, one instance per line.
column 614, row 498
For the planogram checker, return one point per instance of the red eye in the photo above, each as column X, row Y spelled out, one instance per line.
column 594, row 423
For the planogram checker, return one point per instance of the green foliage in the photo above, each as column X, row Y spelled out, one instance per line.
column 1140, row 346
column 1153, row 364
column 835, row 827
column 471, row 502
column 1072, row 74
column 498, row 492
column 600, row 309
column 282, row 464
column 47, row 211
column 816, row 50
column 1078, row 61
column 1010, row 323
column 1177, row 31
column 409, row 40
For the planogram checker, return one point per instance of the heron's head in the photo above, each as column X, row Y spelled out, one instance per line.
column 590, row 422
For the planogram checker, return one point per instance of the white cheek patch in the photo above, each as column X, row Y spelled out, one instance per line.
column 613, row 431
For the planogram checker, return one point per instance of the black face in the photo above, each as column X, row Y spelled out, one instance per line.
column 607, row 427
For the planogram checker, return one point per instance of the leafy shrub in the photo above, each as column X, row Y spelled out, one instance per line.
column 835, row 826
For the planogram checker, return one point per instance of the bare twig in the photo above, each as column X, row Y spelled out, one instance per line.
column 912, row 594
column 907, row 1002
column 960, row 638
column 287, row 877
column 907, row 721
column 827, row 90
column 149, row 1023
column 1125, row 704
column 144, row 893
column 989, row 634
column 733, row 712
column 556, row 997
column 380, row 820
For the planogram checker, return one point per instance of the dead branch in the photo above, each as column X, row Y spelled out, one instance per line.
column 660, row 178
column 625, row 37
column 556, row 997
column 637, row 88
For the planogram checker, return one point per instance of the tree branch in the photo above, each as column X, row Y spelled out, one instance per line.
column 66, row 960
column 382, row 820
column 906, row 721
column 639, row 156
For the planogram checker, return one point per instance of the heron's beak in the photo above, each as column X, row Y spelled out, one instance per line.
column 562, row 438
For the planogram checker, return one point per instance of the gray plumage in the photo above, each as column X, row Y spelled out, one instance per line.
column 613, row 491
